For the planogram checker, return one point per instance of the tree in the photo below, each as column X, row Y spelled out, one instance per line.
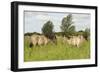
column 47, row 28
column 66, row 27
column 86, row 33
column 80, row 32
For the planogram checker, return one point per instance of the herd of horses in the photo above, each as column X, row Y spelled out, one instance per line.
column 42, row 40
column 35, row 40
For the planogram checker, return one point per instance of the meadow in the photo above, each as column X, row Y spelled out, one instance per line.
column 61, row 51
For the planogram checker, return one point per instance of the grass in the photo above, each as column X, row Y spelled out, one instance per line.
column 61, row 51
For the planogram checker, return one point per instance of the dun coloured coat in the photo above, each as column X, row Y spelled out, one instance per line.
column 38, row 40
column 74, row 40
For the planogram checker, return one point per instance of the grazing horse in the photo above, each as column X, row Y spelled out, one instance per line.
column 42, row 40
column 74, row 40
column 38, row 40
column 34, row 40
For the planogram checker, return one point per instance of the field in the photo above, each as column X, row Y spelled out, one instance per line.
column 61, row 51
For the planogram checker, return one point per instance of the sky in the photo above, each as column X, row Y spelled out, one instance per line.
column 34, row 21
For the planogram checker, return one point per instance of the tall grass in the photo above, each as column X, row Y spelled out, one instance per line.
column 61, row 51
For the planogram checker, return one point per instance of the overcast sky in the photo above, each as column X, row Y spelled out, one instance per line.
column 33, row 21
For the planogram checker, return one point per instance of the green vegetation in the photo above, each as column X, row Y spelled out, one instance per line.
column 47, row 29
column 86, row 33
column 66, row 27
column 61, row 51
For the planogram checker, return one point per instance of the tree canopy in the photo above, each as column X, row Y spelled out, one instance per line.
column 66, row 27
column 47, row 28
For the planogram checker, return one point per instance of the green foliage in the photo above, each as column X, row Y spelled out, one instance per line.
column 29, row 34
column 47, row 28
column 86, row 34
column 66, row 27
column 81, row 32
column 59, row 33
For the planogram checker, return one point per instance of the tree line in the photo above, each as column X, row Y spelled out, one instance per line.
column 67, row 29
